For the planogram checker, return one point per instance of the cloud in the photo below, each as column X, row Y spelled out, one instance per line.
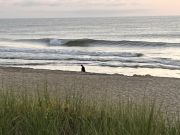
column 72, row 4
column 75, row 8
column 77, row 3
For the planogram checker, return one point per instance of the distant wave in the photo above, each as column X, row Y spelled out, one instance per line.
column 157, row 35
column 49, row 52
column 91, row 42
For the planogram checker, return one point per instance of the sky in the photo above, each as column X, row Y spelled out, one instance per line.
column 87, row 8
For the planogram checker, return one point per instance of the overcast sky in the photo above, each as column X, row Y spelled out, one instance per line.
column 86, row 8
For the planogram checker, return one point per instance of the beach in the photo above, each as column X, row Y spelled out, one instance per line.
column 95, row 87
column 75, row 67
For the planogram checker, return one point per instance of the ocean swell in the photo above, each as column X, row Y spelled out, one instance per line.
column 90, row 42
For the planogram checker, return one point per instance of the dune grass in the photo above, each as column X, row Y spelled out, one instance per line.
column 21, row 114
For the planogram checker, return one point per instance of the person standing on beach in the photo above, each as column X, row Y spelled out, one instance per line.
column 83, row 68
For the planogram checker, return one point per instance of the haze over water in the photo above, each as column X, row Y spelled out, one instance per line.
column 125, row 45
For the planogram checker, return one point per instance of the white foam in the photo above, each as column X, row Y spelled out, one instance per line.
column 56, row 42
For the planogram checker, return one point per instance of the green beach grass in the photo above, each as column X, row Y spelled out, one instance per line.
column 42, row 114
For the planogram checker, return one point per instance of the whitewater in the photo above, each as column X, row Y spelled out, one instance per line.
column 124, row 45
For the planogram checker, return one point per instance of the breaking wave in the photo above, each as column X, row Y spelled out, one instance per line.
column 91, row 42
column 20, row 56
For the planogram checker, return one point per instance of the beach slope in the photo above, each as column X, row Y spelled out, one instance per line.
column 100, row 87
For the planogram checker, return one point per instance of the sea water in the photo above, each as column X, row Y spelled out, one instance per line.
column 124, row 45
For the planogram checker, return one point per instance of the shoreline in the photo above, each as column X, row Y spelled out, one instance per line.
column 25, row 69
column 93, row 86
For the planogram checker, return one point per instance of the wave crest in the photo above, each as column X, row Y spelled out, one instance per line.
column 56, row 42
column 91, row 42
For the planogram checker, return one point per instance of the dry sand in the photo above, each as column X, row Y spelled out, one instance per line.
column 100, row 87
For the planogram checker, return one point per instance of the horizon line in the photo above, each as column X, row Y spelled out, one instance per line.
column 90, row 17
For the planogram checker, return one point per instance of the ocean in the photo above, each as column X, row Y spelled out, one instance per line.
column 124, row 45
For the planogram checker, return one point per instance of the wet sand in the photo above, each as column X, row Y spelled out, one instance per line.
column 100, row 87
